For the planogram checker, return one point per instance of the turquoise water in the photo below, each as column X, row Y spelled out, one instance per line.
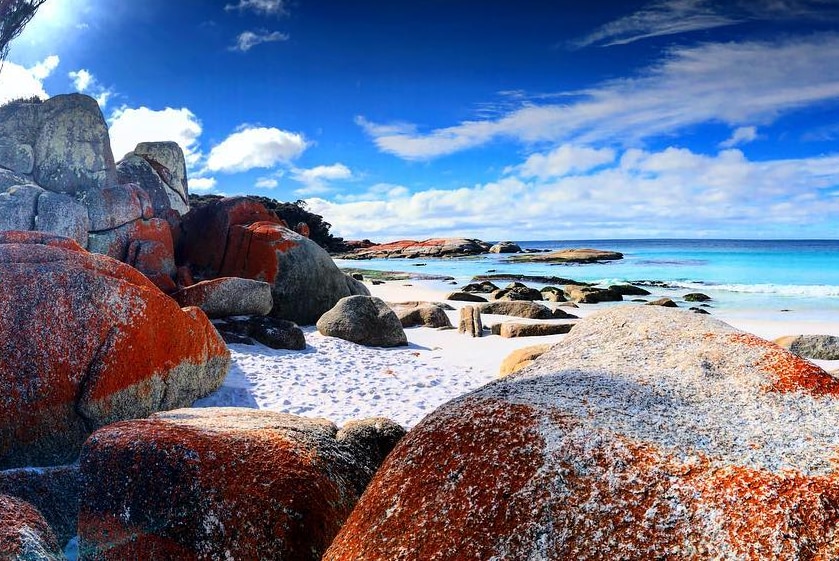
column 738, row 274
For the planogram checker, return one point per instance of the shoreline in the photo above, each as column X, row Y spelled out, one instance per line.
column 343, row 381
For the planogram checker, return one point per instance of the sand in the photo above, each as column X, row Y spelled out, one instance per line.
column 341, row 381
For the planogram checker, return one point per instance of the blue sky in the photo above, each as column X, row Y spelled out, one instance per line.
column 483, row 118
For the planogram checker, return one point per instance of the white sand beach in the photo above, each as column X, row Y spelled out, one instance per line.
column 341, row 381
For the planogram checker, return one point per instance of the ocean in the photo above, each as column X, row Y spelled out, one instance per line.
column 757, row 275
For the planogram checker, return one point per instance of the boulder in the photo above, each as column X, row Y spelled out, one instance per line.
column 412, row 249
column 24, row 534
column 426, row 315
column 629, row 290
column 553, row 294
column 470, row 322
column 269, row 331
column 169, row 163
column 509, row 330
column 365, row 320
column 16, row 157
column 647, row 434
column 530, row 310
column 816, row 347
column 227, row 296
column 569, row 256
column 517, row 291
column 115, row 347
column 372, row 438
column 465, row 297
column 485, row 286
column 19, row 207
column 591, row 294
column 72, row 151
column 54, row 491
column 521, row 358
column 63, row 215
column 10, row 179
column 696, row 297
column 223, row 483
column 305, row 281
column 116, row 206
column 663, row 302
column 505, row 247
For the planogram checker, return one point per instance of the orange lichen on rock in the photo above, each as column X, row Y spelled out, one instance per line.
column 252, row 251
column 24, row 534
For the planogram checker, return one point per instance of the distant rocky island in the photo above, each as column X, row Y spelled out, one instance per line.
column 464, row 247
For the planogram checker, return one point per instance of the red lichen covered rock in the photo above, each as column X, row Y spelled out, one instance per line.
column 225, row 483
column 85, row 341
column 648, row 433
column 240, row 238
column 435, row 247
column 24, row 534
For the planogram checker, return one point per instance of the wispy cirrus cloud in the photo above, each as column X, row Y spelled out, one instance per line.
column 263, row 7
column 247, row 40
column 738, row 84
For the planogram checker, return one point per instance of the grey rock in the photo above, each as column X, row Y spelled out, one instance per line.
column 470, row 321
column 426, row 315
column 505, row 247
column 73, row 149
column 19, row 206
column 11, row 179
column 696, row 297
column 591, row 294
column 372, row 438
column 19, row 158
column 228, row 296
column 522, row 309
column 511, row 330
column 365, row 320
column 465, row 297
column 663, row 302
column 269, row 331
column 485, row 286
column 816, row 347
column 115, row 206
column 63, row 215
column 167, row 158
column 629, row 290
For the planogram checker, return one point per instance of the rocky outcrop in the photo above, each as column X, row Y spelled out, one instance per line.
column 529, row 310
column 54, row 491
column 365, row 320
column 411, row 249
column 663, row 302
column 269, row 331
column 816, row 347
column 237, row 237
column 465, row 297
column 426, row 315
column 24, row 534
column 510, row 330
column 646, row 433
column 224, row 483
column 505, row 247
column 517, row 291
column 114, row 347
column 521, row 358
column 569, row 256
column 591, row 294
column 470, row 322
column 228, row 296
column 483, row 287
column 629, row 290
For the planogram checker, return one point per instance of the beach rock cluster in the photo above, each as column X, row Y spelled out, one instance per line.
column 412, row 249
column 647, row 433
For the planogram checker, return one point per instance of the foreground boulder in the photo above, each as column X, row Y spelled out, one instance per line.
column 86, row 341
column 365, row 320
column 648, row 433
column 24, row 534
column 238, row 237
column 816, row 347
column 224, row 483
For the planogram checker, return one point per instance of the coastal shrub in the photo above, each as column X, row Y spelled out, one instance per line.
column 21, row 101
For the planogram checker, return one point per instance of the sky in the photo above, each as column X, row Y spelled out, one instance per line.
column 526, row 120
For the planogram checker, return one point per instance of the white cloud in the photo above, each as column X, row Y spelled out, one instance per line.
column 130, row 126
column 85, row 82
column 19, row 82
column 565, row 160
column 638, row 194
column 732, row 83
column 202, row 183
column 266, row 183
column 255, row 147
column 249, row 39
column 741, row 135
column 316, row 180
column 264, row 7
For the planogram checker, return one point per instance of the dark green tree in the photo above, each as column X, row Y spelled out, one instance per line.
column 14, row 15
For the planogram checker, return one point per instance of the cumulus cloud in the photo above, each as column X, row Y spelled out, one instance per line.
column 638, row 193
column 316, row 180
column 741, row 135
column 128, row 126
column 266, row 183
column 564, row 160
column 263, row 7
column 202, row 183
column 255, row 147
column 249, row 39
column 20, row 82
column 85, row 82
column 729, row 83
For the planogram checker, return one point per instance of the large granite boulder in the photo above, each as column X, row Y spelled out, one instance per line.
column 237, row 237
column 591, row 294
column 24, row 534
column 505, row 247
column 365, row 320
column 648, row 433
column 86, row 341
column 424, row 314
column 411, row 249
column 166, row 189
column 228, row 296
column 522, row 309
column 226, row 483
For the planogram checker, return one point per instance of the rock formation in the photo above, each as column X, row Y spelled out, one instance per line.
column 436, row 247
column 365, row 320
column 647, row 433
column 24, row 534
column 90, row 342
column 569, row 256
